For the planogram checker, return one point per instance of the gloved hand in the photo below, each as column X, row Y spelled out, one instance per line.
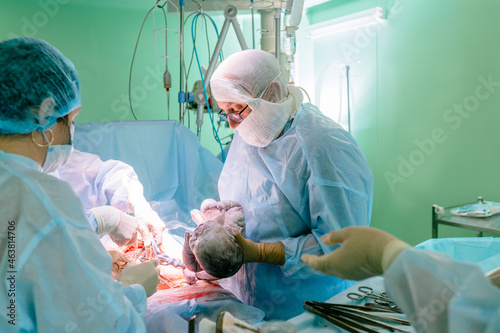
column 144, row 274
column 364, row 252
column 268, row 253
column 121, row 227
column 118, row 259
column 150, row 224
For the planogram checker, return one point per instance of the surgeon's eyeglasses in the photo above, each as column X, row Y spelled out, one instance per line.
column 233, row 116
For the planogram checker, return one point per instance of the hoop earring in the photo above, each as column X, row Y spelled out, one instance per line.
column 43, row 145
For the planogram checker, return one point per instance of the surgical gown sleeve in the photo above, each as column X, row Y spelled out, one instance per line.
column 439, row 294
column 99, row 183
column 63, row 280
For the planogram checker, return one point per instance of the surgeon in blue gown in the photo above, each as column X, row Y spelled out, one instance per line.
column 55, row 272
column 297, row 174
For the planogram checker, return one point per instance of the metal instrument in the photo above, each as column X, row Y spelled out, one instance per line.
column 134, row 258
column 367, row 292
column 354, row 318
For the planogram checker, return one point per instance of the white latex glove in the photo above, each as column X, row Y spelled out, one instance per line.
column 150, row 224
column 494, row 276
column 144, row 274
column 121, row 227
column 118, row 260
column 361, row 254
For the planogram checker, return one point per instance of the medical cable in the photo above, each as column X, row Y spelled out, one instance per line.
column 133, row 58
column 165, row 258
column 167, row 77
column 203, row 82
column 214, row 131
column 188, row 71
column 305, row 92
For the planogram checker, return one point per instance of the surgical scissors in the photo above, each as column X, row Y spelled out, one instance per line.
column 381, row 298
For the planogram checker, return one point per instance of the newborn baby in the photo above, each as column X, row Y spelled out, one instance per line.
column 213, row 247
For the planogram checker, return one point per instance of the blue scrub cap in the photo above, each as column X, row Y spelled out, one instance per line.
column 38, row 85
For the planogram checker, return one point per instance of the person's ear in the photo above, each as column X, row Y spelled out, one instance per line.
column 272, row 93
column 46, row 109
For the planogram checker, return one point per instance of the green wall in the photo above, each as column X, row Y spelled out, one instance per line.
column 423, row 114
column 100, row 36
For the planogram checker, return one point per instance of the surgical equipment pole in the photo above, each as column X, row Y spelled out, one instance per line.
column 181, row 98
column 277, row 33
column 253, row 29
column 347, row 68
column 230, row 13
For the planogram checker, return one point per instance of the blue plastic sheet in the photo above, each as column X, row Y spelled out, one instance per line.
column 484, row 251
column 170, row 162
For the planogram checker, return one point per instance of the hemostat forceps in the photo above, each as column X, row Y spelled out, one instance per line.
column 381, row 299
column 134, row 258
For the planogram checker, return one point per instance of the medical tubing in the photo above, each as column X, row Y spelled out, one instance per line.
column 209, row 59
column 188, row 71
column 184, row 24
column 347, row 68
column 203, row 82
column 167, row 77
column 165, row 258
column 305, row 92
column 133, row 58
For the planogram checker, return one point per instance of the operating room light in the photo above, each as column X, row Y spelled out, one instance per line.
column 356, row 20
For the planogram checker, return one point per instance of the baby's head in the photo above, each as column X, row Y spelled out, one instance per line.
column 215, row 250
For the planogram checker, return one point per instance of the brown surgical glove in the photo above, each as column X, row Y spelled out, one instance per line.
column 267, row 253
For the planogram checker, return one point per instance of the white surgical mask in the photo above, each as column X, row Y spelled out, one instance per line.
column 266, row 121
column 58, row 155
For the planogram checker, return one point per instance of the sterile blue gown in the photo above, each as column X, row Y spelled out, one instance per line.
column 312, row 180
column 439, row 294
column 58, row 276
column 97, row 182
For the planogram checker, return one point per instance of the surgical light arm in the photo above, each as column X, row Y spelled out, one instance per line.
column 230, row 14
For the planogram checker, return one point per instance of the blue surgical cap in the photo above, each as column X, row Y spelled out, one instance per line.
column 31, row 72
